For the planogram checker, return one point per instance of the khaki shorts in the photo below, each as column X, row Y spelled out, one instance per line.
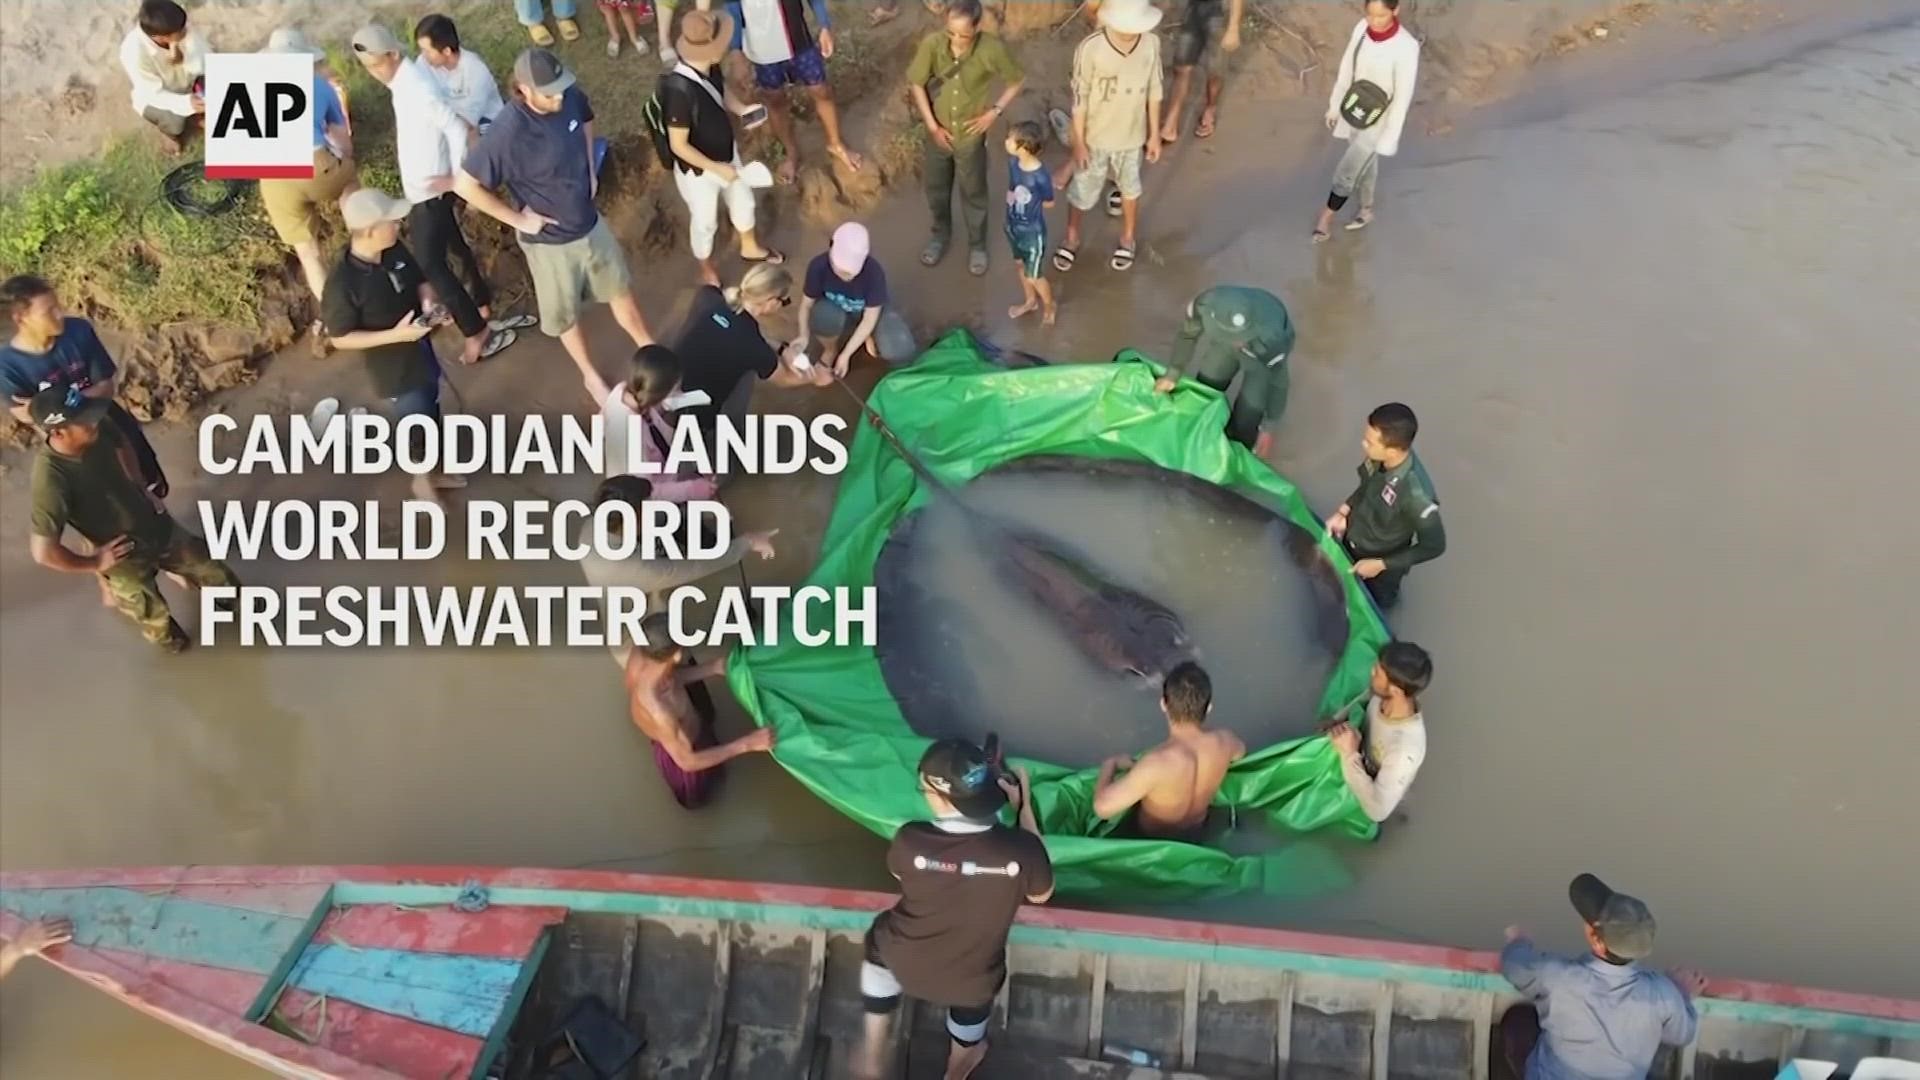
column 293, row 206
column 1121, row 166
column 591, row 269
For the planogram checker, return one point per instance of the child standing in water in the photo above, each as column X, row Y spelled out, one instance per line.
column 1029, row 196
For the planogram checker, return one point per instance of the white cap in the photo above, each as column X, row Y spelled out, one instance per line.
column 368, row 207
column 290, row 39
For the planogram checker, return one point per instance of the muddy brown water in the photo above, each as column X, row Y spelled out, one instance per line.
column 967, row 652
column 1662, row 345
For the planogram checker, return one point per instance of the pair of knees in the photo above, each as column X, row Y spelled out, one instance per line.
column 967, row 1027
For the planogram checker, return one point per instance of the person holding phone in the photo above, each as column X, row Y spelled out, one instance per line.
column 378, row 303
column 698, row 112
column 784, row 51
column 85, row 477
column 166, row 62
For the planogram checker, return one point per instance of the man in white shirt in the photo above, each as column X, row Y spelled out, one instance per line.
column 165, row 62
column 1380, row 768
column 426, row 128
column 461, row 74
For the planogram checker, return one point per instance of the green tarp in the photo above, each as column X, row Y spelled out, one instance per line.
column 843, row 735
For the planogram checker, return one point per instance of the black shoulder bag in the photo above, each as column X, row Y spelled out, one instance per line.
column 1365, row 102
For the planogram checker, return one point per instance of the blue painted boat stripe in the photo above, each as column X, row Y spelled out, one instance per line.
column 460, row 993
column 823, row 918
column 166, row 927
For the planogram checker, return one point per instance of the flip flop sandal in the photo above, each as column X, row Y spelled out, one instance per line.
column 1063, row 259
column 613, row 47
column 1122, row 258
column 1113, row 203
column 513, row 322
column 541, row 36
column 1360, row 222
column 1204, row 130
column 935, row 250
column 771, row 258
column 1321, row 236
column 498, row 342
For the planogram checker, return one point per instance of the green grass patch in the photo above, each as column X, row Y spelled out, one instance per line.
column 102, row 233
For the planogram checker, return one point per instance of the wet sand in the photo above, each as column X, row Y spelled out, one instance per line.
column 1661, row 345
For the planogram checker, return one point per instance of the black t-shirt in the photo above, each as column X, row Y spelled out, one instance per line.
column 946, row 939
column 373, row 296
column 720, row 346
column 688, row 105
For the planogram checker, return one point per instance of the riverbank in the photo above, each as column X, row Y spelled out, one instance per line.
column 192, row 307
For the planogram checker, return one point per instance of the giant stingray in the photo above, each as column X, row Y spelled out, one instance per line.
column 1117, row 628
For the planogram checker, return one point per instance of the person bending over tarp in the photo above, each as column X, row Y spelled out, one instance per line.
column 1169, row 790
column 1234, row 331
column 685, row 749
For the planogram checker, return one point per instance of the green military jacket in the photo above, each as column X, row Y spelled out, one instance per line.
column 1394, row 516
column 1234, row 330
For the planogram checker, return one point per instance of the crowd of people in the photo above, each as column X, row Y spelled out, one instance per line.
column 530, row 159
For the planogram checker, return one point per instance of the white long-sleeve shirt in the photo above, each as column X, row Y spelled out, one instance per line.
column 1395, row 748
column 1393, row 65
column 159, row 82
column 429, row 135
column 469, row 86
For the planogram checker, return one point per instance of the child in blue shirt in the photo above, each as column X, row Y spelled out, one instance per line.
column 1029, row 196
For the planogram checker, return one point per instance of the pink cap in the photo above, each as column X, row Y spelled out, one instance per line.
column 850, row 245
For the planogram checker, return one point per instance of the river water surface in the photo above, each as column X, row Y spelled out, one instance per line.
column 1663, row 349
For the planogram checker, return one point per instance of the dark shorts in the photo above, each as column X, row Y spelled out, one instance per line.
column 880, row 993
column 1029, row 248
column 1196, row 41
column 1220, row 820
column 807, row 68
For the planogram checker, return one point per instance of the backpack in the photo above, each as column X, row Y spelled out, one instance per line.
column 654, row 115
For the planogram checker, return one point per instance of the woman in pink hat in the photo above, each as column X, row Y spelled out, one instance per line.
column 844, row 302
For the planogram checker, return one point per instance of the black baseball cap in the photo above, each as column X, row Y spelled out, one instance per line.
column 1624, row 924
column 961, row 773
column 62, row 405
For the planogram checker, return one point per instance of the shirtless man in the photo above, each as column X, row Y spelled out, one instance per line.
column 683, row 741
column 1174, row 783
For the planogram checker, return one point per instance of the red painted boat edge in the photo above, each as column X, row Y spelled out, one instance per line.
column 205, row 1021
column 856, row 899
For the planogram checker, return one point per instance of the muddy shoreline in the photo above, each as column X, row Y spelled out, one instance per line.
column 1475, row 56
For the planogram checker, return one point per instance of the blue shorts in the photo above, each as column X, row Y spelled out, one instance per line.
column 807, row 68
column 1029, row 248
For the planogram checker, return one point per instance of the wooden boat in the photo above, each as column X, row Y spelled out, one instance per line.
column 382, row 972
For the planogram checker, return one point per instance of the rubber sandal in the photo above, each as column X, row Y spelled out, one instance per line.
column 771, row 258
column 1360, row 222
column 1122, row 258
column 512, row 322
column 1113, row 203
column 1063, row 258
column 613, row 47
column 1204, row 130
column 498, row 342
column 569, row 30
column 541, row 36
column 935, row 250
column 1321, row 236
column 977, row 262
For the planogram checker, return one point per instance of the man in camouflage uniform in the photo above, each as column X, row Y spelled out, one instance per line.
column 86, row 476
column 1392, row 520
